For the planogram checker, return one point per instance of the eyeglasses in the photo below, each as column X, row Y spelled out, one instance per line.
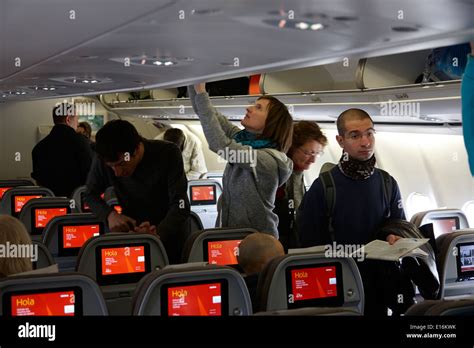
column 356, row 136
column 310, row 154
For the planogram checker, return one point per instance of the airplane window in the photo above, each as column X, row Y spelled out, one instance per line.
column 417, row 202
column 468, row 209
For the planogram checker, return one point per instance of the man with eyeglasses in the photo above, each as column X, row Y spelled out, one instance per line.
column 149, row 181
column 360, row 206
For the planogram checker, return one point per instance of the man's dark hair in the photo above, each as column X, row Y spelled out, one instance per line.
column 351, row 114
column 115, row 138
column 60, row 111
column 175, row 135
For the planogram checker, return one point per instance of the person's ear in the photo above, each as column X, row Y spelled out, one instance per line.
column 340, row 140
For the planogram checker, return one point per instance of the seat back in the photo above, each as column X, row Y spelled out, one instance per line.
column 310, row 280
column 456, row 264
column 195, row 222
column 443, row 220
column 192, row 289
column 8, row 184
column 117, row 261
column 65, row 235
column 217, row 176
column 37, row 213
column 313, row 311
column 215, row 245
column 45, row 259
column 14, row 199
column 79, row 204
column 203, row 195
column 51, row 294
column 463, row 307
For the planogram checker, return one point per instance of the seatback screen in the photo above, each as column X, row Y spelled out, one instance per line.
column 20, row 201
column 76, row 236
column 203, row 194
column 122, row 264
column 444, row 225
column 71, row 237
column 41, row 216
column 3, row 190
column 51, row 302
column 44, row 215
column 465, row 261
column 222, row 252
column 123, row 260
column 316, row 285
column 195, row 299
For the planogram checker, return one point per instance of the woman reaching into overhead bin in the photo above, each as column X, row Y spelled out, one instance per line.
column 256, row 160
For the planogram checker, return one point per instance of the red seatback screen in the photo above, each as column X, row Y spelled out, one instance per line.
column 3, row 190
column 202, row 299
column 223, row 252
column 312, row 283
column 76, row 236
column 202, row 193
column 123, row 260
column 51, row 303
column 20, row 201
column 44, row 215
column 441, row 226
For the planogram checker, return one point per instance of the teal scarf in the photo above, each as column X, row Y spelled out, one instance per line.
column 244, row 137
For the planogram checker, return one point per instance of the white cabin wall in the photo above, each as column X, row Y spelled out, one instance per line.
column 19, row 124
column 431, row 164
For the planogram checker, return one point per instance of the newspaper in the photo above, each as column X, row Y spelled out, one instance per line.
column 404, row 247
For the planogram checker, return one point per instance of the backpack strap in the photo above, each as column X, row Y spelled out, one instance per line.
column 329, row 189
column 387, row 185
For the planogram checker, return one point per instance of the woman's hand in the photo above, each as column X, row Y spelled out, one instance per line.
column 200, row 88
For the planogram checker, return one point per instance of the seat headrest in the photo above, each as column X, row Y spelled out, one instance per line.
column 192, row 289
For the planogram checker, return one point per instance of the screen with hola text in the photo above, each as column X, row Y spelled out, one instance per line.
column 223, row 252
column 44, row 215
column 199, row 300
column 60, row 303
column 313, row 283
column 20, row 201
column 76, row 236
column 123, row 260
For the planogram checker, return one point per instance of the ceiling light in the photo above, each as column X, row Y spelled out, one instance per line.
column 302, row 25
column 85, row 81
column 317, row 26
column 94, row 81
column 157, row 62
column 169, row 63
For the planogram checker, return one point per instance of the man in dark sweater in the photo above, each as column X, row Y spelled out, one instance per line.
column 62, row 160
column 360, row 207
column 149, row 182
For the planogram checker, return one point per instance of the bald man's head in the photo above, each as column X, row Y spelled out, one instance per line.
column 256, row 250
column 351, row 114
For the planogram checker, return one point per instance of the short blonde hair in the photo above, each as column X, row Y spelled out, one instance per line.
column 14, row 232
